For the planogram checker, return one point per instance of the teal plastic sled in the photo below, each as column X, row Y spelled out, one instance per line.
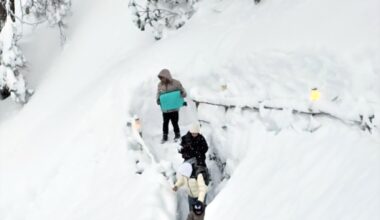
column 171, row 101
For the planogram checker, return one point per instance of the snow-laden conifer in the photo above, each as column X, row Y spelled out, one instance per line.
column 161, row 15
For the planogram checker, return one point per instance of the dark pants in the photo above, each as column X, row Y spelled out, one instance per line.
column 192, row 202
column 192, row 215
column 173, row 117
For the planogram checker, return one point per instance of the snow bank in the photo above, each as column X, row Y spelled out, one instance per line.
column 329, row 174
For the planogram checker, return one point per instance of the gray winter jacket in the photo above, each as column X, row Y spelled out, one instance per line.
column 170, row 85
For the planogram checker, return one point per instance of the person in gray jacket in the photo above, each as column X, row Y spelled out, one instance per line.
column 168, row 84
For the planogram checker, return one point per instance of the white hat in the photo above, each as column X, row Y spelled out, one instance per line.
column 185, row 169
column 195, row 128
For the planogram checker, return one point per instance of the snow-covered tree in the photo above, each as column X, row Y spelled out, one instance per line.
column 7, row 7
column 161, row 14
column 54, row 12
column 12, row 61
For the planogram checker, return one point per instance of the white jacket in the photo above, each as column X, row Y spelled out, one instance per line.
column 196, row 188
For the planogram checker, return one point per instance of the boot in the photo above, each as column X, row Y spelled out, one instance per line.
column 164, row 138
column 177, row 137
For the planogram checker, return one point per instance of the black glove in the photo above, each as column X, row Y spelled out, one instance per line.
column 184, row 103
column 158, row 101
column 199, row 208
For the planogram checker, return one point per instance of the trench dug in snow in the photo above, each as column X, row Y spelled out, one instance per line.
column 232, row 132
column 228, row 132
column 167, row 156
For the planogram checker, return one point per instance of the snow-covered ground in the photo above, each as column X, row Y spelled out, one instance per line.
column 67, row 153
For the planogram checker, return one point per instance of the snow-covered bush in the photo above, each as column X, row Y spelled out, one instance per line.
column 161, row 14
column 11, row 62
column 52, row 11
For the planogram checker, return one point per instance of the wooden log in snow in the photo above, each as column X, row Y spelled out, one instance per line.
column 365, row 123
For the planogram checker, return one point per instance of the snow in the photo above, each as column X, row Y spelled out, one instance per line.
column 67, row 153
column 313, row 177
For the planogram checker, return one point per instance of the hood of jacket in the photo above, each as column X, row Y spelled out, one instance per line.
column 165, row 73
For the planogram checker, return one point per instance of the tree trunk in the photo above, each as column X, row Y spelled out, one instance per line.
column 3, row 11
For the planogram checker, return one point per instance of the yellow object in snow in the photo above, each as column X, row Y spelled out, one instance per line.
column 315, row 95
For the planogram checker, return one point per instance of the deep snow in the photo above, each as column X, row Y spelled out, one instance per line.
column 66, row 154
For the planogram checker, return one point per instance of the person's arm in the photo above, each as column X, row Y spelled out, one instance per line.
column 180, row 182
column 158, row 94
column 183, row 141
column 183, row 145
column 204, row 146
column 183, row 91
column 202, row 188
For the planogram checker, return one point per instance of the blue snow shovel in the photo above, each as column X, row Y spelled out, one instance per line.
column 171, row 101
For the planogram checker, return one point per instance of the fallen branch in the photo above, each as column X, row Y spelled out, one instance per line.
column 365, row 123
